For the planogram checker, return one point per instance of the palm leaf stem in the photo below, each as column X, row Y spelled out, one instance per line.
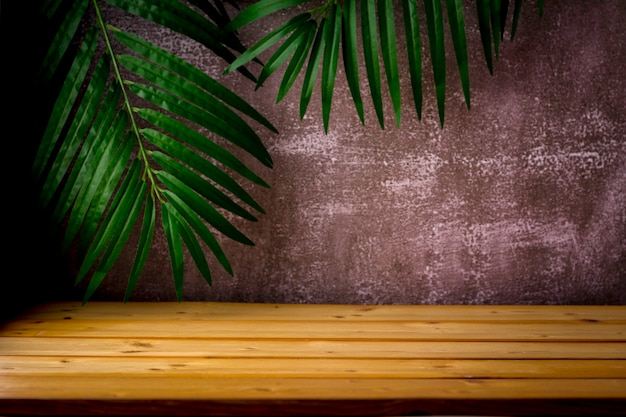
column 142, row 153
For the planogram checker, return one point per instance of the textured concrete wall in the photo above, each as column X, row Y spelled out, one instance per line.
column 520, row 200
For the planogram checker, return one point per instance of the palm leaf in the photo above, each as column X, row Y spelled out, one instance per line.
column 310, row 76
column 193, row 246
column 390, row 59
column 111, row 224
column 200, row 228
column 332, row 34
column 143, row 246
column 65, row 100
column 94, row 191
column 187, row 99
column 129, row 210
column 191, row 137
column 180, row 152
column 496, row 25
column 457, row 30
column 378, row 38
column 103, row 194
column 268, row 41
column 259, row 10
column 517, row 9
column 289, row 47
column 350, row 54
column 83, row 117
column 63, row 35
column 370, row 54
column 96, row 174
column 294, row 67
column 200, row 185
column 177, row 65
column 414, row 51
column 89, row 153
column 202, row 207
column 434, row 21
column 241, row 135
column 484, row 23
column 504, row 12
column 182, row 19
column 171, row 228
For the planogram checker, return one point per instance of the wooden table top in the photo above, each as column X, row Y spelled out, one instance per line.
column 193, row 358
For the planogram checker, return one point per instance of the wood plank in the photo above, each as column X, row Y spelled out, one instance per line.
column 285, row 329
column 334, row 312
column 133, row 347
column 236, row 359
column 313, row 368
column 195, row 387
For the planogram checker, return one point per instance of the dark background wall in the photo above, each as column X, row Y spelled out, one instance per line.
column 520, row 200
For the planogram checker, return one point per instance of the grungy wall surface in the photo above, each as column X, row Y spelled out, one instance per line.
column 521, row 200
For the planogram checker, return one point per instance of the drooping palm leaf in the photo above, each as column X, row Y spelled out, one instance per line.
column 177, row 65
column 504, row 12
column 300, row 55
column 126, row 216
column 65, row 100
column 390, row 59
column 370, row 55
column 83, row 118
column 181, row 18
column 434, row 23
column 111, row 225
column 332, row 35
column 91, row 151
column 200, row 164
column 268, row 41
column 457, row 30
column 259, row 10
column 99, row 176
column 199, row 185
column 350, row 54
column 106, row 189
column 63, row 34
column 171, row 228
column 378, row 38
column 483, row 9
column 414, row 51
column 297, row 40
column 312, row 69
column 517, row 9
column 96, row 168
column 194, row 247
column 496, row 25
column 200, row 228
column 143, row 246
column 205, row 210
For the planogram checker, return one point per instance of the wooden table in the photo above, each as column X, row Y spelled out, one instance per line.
column 193, row 358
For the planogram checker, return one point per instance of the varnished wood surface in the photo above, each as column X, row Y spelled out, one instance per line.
column 265, row 359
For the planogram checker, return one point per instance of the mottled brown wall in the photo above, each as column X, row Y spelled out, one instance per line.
column 520, row 200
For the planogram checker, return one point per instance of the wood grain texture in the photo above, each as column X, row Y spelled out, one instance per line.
column 273, row 359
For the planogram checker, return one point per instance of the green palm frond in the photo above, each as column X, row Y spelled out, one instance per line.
column 378, row 41
column 134, row 136
column 124, row 141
